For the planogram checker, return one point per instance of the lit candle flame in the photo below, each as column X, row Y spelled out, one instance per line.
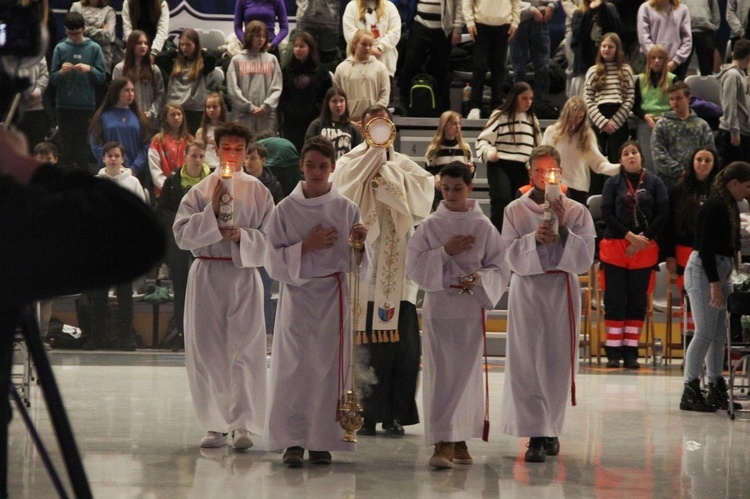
column 553, row 176
column 227, row 169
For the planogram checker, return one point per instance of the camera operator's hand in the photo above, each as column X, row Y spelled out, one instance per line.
column 16, row 161
column 67, row 67
column 82, row 68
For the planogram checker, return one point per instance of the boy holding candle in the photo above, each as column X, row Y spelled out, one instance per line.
column 224, row 327
column 458, row 257
column 542, row 350
column 310, row 234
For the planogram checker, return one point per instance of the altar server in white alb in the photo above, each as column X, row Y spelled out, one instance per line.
column 310, row 255
column 544, row 305
column 394, row 194
column 458, row 257
column 225, row 334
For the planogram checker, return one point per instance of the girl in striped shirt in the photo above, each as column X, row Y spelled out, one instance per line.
column 609, row 92
column 446, row 147
column 505, row 144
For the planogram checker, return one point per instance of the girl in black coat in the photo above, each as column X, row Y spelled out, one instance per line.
column 305, row 85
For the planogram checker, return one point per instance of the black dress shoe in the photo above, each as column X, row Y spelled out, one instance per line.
column 319, row 456
column 394, row 429
column 613, row 364
column 632, row 364
column 553, row 446
column 537, row 452
column 368, row 429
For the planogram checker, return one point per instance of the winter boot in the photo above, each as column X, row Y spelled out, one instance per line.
column 693, row 400
column 630, row 357
column 443, row 456
column 614, row 355
column 718, row 395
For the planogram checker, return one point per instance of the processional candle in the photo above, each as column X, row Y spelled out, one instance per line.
column 226, row 201
column 552, row 192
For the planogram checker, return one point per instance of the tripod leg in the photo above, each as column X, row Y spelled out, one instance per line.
column 43, row 454
column 8, row 323
column 57, row 414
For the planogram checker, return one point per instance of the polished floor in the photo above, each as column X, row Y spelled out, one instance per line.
column 135, row 428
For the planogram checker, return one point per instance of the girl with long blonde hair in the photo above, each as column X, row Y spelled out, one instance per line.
column 666, row 23
column 574, row 139
column 363, row 78
column 651, row 97
column 382, row 20
column 446, row 147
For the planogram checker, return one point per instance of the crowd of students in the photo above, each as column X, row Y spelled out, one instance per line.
column 161, row 137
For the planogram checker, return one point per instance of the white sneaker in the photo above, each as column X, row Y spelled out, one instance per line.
column 474, row 114
column 213, row 439
column 242, row 439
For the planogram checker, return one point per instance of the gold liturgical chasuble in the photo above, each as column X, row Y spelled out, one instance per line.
column 393, row 194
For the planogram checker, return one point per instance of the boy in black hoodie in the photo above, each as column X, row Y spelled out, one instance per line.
column 254, row 165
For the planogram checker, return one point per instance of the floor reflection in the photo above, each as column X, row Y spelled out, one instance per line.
column 136, row 429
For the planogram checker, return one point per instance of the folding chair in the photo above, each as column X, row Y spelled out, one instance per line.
column 211, row 39
column 664, row 301
column 738, row 303
column 587, row 282
column 706, row 87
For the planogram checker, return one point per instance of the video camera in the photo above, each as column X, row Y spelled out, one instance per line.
column 20, row 28
column 23, row 41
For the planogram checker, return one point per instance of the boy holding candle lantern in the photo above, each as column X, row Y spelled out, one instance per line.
column 460, row 241
column 542, row 353
column 220, row 221
column 311, row 234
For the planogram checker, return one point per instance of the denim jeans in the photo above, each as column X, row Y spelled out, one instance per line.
column 532, row 40
column 710, row 323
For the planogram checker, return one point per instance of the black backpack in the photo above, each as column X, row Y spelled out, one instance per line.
column 61, row 335
column 423, row 97
column 545, row 110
